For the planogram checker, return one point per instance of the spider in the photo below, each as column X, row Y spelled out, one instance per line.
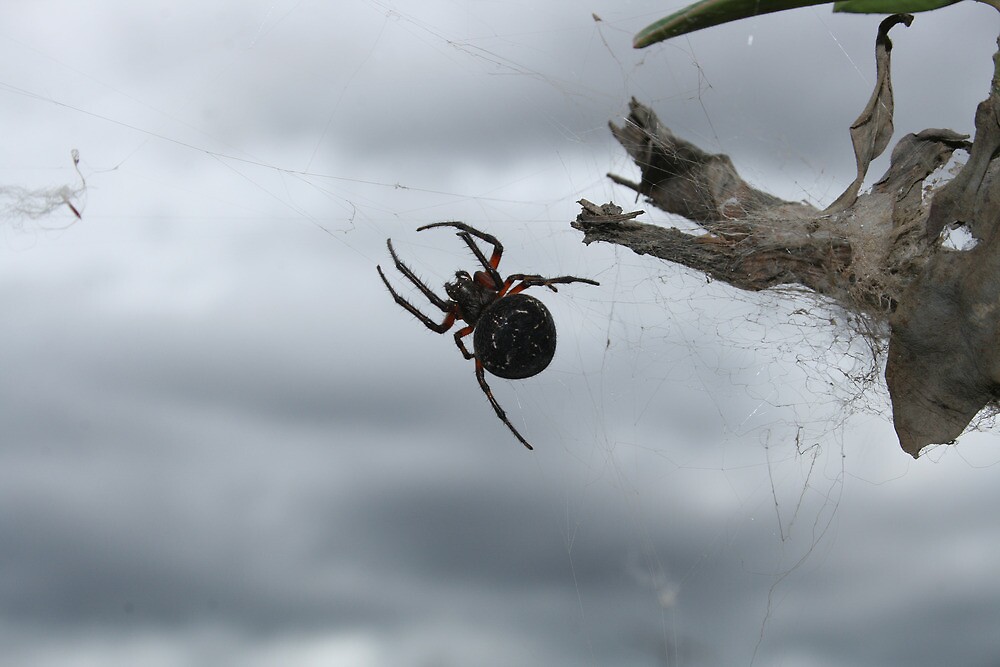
column 514, row 333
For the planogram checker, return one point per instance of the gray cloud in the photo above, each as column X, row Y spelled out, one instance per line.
column 222, row 443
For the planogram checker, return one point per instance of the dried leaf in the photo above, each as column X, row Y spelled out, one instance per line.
column 871, row 132
column 943, row 365
column 956, row 201
column 943, row 357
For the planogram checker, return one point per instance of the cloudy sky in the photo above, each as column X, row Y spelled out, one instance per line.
column 221, row 442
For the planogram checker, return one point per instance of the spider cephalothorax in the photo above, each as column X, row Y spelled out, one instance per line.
column 514, row 333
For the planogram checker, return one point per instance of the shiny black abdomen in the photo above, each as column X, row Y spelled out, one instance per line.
column 515, row 337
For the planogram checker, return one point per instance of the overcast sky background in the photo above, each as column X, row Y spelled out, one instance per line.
column 221, row 442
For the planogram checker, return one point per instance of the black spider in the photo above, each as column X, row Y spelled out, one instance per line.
column 515, row 335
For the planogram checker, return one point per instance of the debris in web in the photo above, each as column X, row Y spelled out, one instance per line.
column 879, row 255
column 19, row 203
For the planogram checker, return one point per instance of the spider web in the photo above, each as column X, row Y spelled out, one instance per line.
column 696, row 444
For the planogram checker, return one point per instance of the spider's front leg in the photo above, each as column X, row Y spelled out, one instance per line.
column 442, row 304
column 466, row 233
column 447, row 307
column 445, row 324
column 539, row 281
column 481, row 376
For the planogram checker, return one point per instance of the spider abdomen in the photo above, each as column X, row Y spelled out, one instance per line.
column 515, row 337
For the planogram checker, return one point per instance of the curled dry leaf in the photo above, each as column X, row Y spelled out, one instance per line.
column 871, row 132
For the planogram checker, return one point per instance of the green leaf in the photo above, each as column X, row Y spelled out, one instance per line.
column 889, row 6
column 707, row 13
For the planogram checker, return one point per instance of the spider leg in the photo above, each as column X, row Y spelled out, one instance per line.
column 459, row 335
column 466, row 235
column 490, row 268
column 446, row 323
column 443, row 305
column 481, row 376
column 538, row 281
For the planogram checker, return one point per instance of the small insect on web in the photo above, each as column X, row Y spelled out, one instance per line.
column 514, row 333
